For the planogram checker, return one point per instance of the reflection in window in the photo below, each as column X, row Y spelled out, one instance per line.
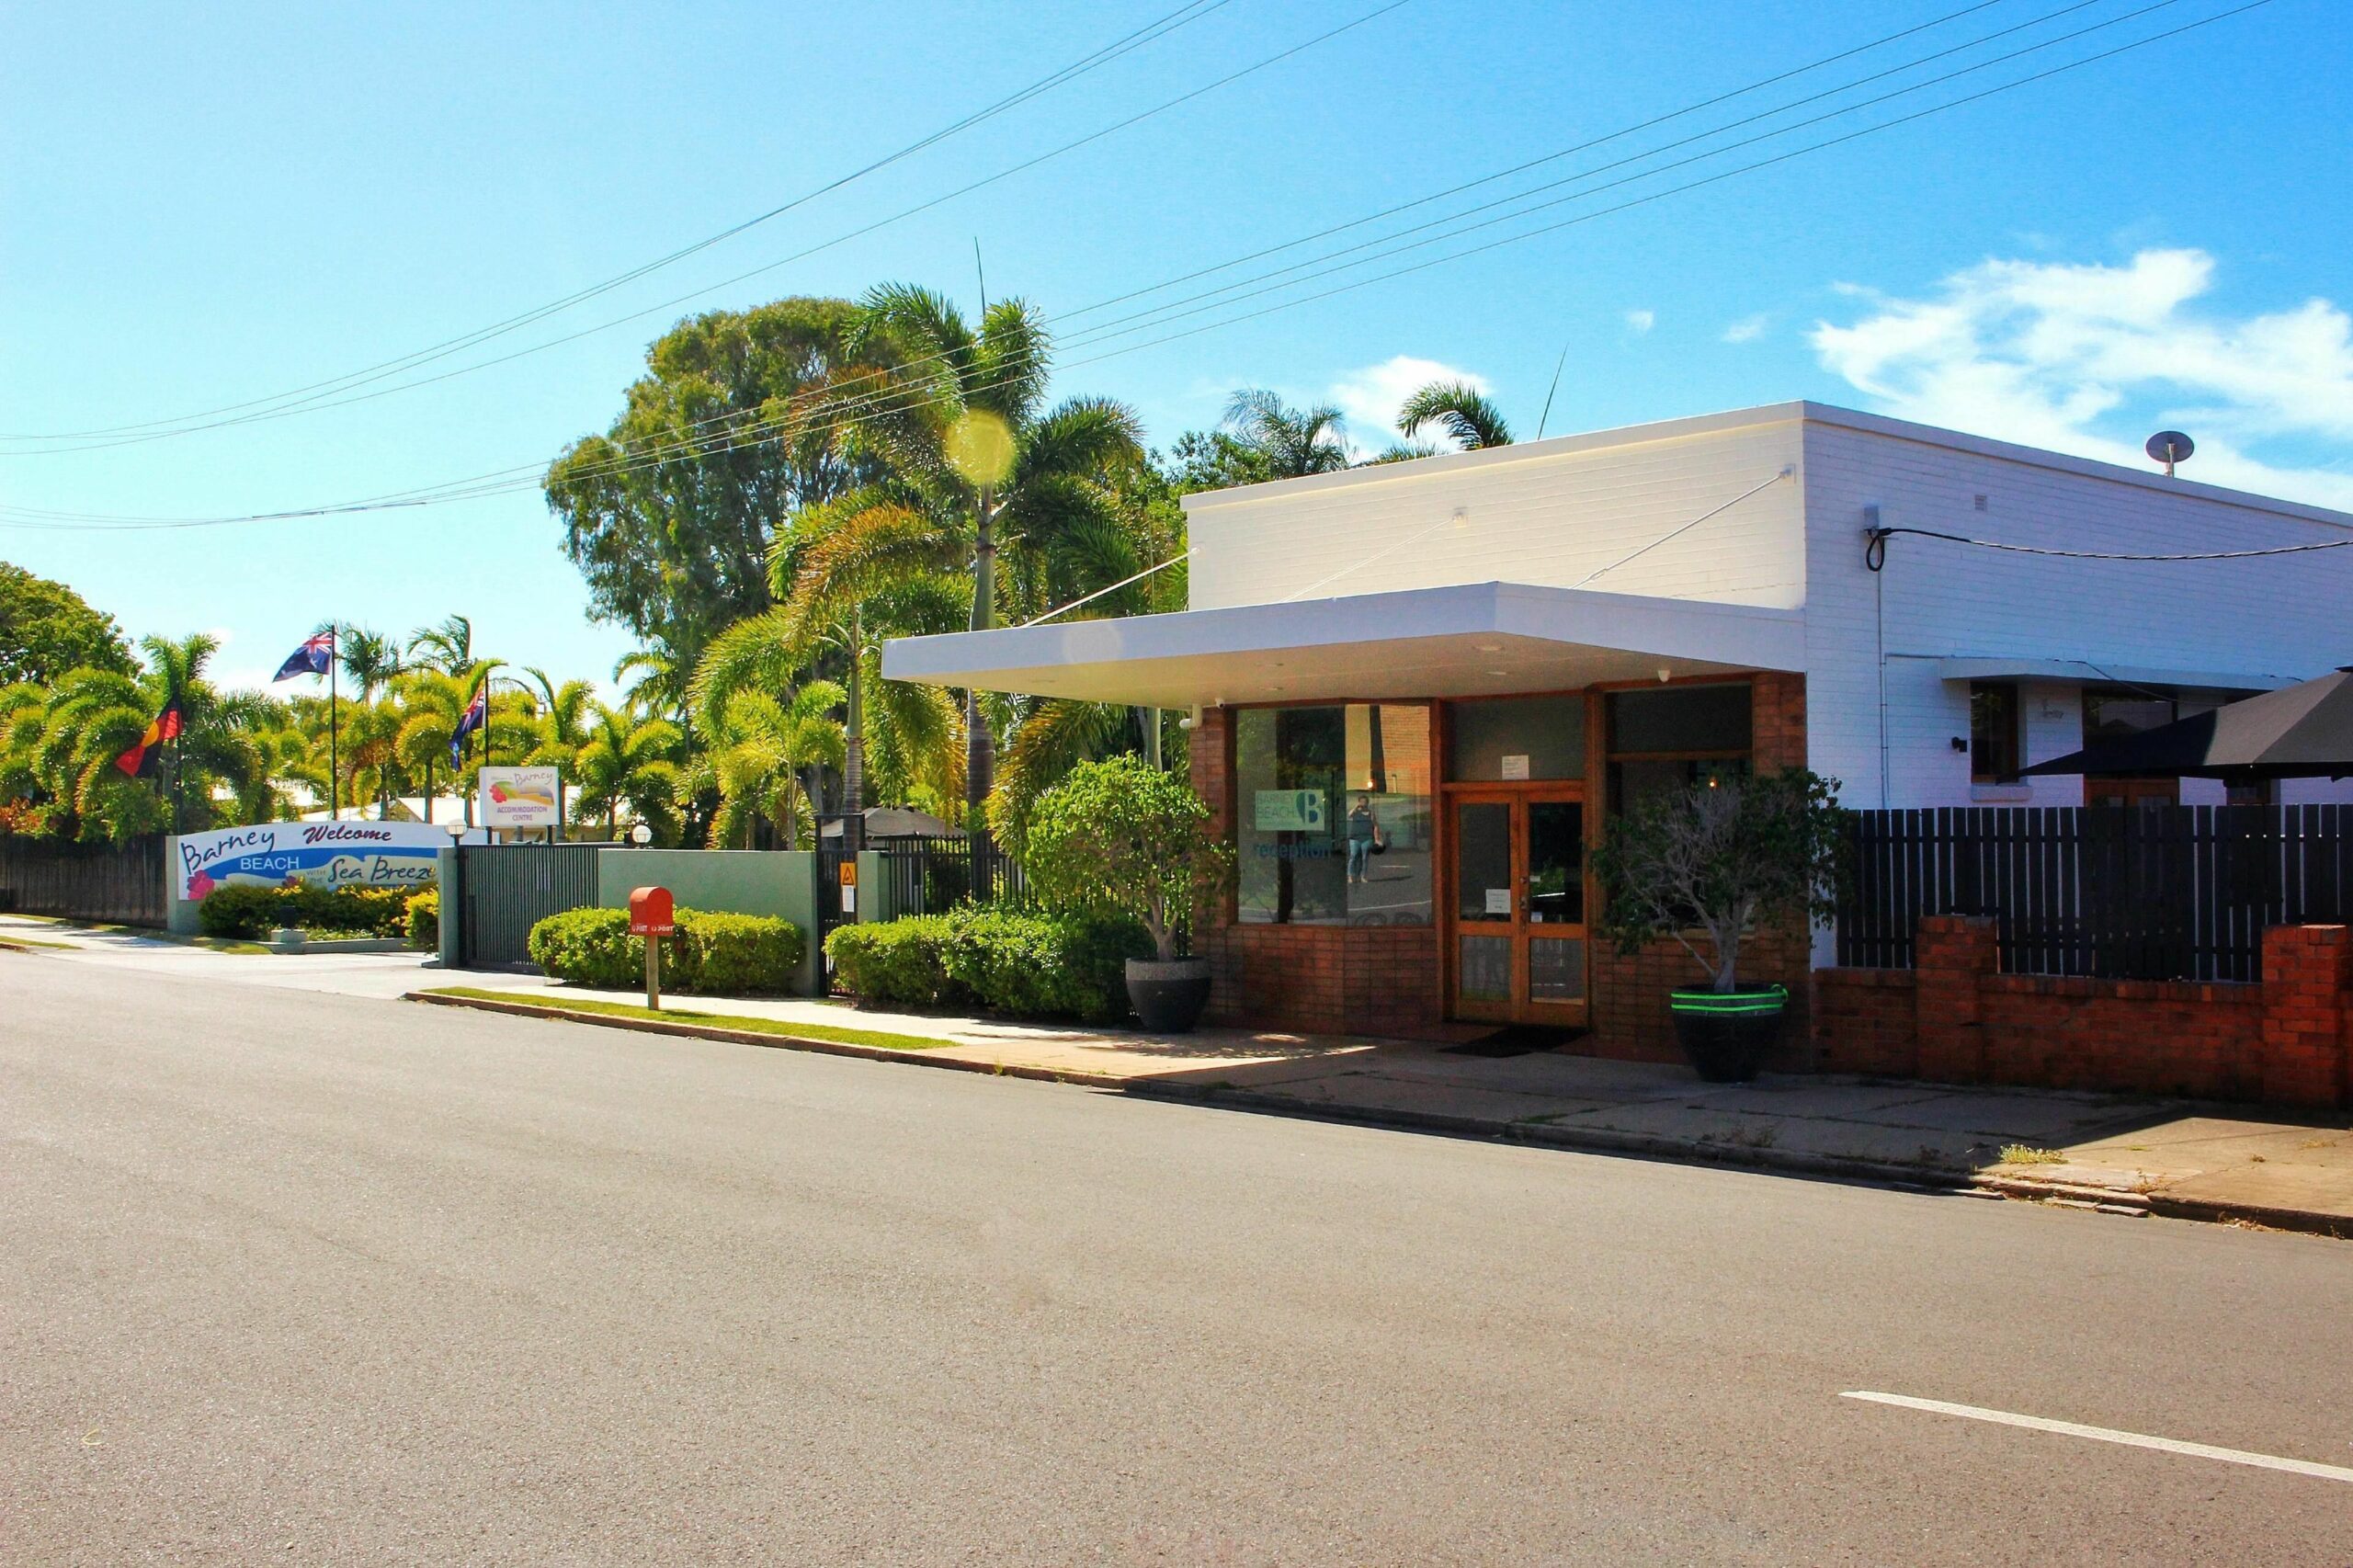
column 1331, row 814
column 1669, row 738
column 1515, row 738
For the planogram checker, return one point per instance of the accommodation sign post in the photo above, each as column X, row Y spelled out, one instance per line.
column 651, row 916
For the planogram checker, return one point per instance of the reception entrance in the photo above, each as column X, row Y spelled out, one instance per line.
column 1517, row 902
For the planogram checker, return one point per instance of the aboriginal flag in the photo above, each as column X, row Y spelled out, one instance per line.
column 139, row 762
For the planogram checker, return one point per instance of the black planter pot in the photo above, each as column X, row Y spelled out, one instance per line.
column 1728, row 1034
column 1168, row 997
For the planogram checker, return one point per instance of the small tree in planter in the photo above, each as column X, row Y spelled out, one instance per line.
column 1121, row 838
column 1717, row 862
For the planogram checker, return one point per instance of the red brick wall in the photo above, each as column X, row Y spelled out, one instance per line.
column 1631, row 1021
column 2287, row 1041
column 1375, row 980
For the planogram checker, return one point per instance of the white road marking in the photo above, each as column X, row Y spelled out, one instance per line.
column 2109, row 1435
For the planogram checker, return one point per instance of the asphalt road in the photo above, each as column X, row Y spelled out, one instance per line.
column 294, row 1277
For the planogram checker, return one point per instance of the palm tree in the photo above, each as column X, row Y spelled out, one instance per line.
column 628, row 761
column 762, row 757
column 1459, row 409
column 372, row 660
column 432, row 701
column 563, row 727
column 1293, row 442
column 449, row 646
column 653, row 682
column 984, row 462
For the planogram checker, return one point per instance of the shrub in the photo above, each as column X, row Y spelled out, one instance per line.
column 1120, row 838
column 425, row 919
column 899, row 963
column 589, row 946
column 1016, row 962
column 248, row 911
column 713, row 953
column 737, row 954
column 240, row 911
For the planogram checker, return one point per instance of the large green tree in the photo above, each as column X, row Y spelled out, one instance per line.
column 46, row 630
column 670, row 513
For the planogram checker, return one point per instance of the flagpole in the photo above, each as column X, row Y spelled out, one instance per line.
column 334, row 800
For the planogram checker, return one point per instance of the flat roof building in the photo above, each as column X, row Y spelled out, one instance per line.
column 1417, row 688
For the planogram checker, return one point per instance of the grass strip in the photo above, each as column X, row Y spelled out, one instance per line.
column 830, row 1033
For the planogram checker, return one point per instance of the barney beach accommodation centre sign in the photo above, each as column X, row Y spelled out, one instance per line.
column 323, row 854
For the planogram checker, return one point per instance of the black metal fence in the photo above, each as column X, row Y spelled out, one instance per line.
column 929, row 875
column 2153, row 892
column 117, row 884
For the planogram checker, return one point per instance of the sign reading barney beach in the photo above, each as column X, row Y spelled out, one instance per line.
column 324, row 854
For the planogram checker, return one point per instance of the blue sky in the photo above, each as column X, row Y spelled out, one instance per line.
column 208, row 205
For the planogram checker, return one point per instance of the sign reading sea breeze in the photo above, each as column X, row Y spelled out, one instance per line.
column 516, row 797
column 323, row 854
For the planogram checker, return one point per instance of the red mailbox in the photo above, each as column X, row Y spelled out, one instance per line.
column 650, row 913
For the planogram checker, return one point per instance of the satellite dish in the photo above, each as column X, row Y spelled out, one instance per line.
column 2169, row 447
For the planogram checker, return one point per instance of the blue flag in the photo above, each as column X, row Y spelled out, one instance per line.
column 312, row 658
column 477, row 714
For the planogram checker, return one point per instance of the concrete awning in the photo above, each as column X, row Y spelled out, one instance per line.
column 1480, row 639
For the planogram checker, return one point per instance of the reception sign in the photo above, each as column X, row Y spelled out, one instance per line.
column 323, row 854
column 516, row 798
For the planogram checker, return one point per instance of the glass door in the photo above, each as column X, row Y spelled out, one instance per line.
column 1517, row 903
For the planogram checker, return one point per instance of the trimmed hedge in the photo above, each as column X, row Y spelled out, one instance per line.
column 713, row 953
column 253, row 912
column 1002, row 960
column 425, row 919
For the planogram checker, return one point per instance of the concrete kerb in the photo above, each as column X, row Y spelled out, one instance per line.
column 1922, row 1177
column 1600, row 1141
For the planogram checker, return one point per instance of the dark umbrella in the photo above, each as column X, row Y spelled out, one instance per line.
column 2299, row 732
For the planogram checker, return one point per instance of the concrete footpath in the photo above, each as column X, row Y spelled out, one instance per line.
column 2112, row 1153
column 2108, row 1153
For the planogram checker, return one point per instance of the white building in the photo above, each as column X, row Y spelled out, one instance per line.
column 1730, row 548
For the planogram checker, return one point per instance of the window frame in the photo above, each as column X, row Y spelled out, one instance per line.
column 1984, row 769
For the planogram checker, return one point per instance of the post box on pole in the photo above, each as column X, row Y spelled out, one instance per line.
column 651, row 916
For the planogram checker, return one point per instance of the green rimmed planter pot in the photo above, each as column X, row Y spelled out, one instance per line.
column 1728, row 1034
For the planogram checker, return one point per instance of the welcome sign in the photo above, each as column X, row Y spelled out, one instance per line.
column 323, row 854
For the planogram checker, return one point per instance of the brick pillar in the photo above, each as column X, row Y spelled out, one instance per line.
column 2306, row 970
column 1951, row 954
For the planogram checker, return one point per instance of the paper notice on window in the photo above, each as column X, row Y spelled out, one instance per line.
column 1515, row 769
column 1499, row 901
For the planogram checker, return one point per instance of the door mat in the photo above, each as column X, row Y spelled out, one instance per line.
column 1518, row 1040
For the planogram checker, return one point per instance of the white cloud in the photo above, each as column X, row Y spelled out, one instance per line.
column 2089, row 358
column 1747, row 329
column 1640, row 321
column 1370, row 397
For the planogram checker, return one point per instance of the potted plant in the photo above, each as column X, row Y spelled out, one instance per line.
column 1121, row 838
column 1708, row 864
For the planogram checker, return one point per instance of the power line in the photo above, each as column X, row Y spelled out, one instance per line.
column 1183, row 16
column 1875, row 549
column 484, row 485
column 332, row 400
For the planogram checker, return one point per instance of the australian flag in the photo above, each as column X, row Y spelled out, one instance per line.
column 311, row 659
column 477, row 714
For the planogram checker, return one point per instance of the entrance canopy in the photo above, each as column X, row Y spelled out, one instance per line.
column 1482, row 639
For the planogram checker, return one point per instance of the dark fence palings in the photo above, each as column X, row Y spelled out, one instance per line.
column 114, row 883
column 2176, row 892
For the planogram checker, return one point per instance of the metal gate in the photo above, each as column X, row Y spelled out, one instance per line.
column 830, row 862
column 504, row 890
column 118, row 883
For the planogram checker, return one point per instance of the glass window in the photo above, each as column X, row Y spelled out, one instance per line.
column 1684, row 718
column 1694, row 734
column 1518, row 737
column 1993, row 732
column 1331, row 814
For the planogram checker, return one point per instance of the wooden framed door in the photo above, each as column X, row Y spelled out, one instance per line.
column 1517, row 904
